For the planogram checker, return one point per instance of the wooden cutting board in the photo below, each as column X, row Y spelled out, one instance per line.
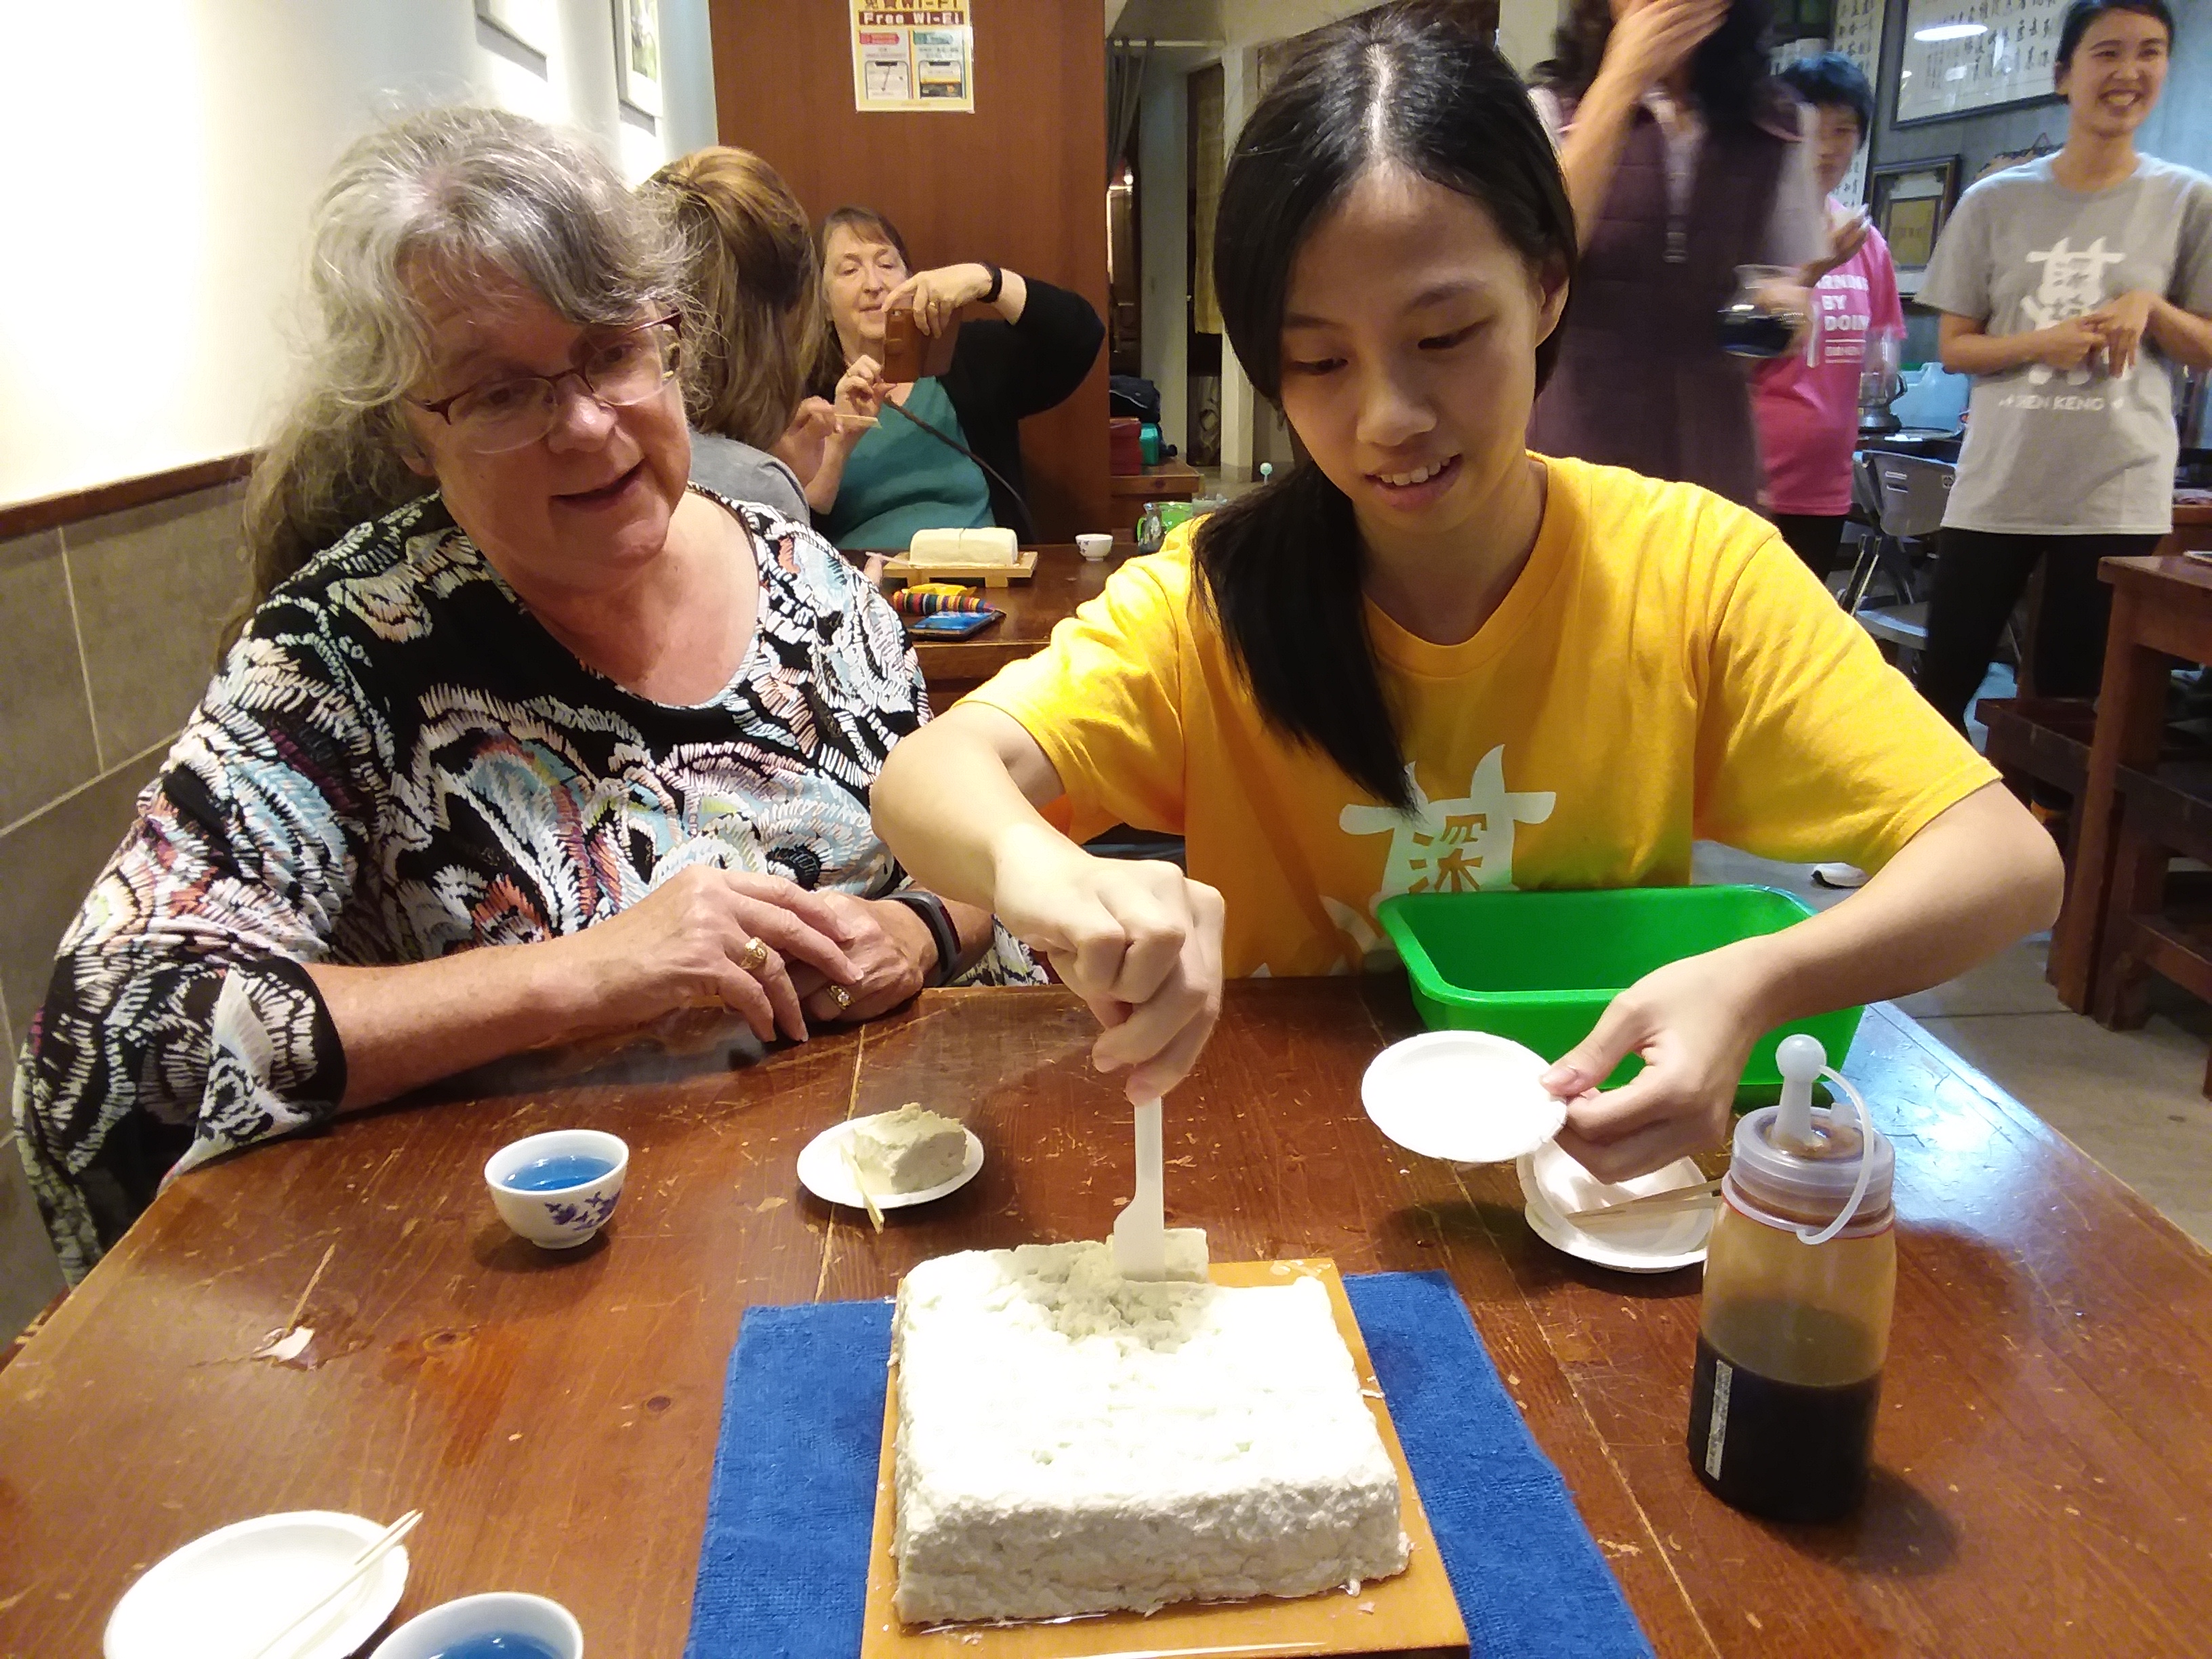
column 1415, row 1612
column 903, row 567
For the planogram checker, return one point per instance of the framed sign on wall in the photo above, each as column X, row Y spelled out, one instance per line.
column 1964, row 56
column 913, row 56
column 1910, row 202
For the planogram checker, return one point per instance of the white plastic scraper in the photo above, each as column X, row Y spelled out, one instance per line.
column 1140, row 1232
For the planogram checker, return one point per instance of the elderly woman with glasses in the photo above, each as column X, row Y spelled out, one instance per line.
column 525, row 741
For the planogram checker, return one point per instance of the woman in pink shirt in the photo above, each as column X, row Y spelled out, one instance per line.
column 1806, row 403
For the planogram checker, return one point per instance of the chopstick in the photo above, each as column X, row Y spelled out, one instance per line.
column 1674, row 1198
column 375, row 1551
column 860, row 1186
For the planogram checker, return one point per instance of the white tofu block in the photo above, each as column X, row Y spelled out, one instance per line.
column 991, row 546
column 908, row 1151
column 935, row 547
column 987, row 546
column 1072, row 1442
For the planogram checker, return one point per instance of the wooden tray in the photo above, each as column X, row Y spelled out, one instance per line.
column 901, row 566
column 1415, row 1613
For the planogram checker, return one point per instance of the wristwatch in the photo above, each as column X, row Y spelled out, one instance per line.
column 939, row 919
column 998, row 281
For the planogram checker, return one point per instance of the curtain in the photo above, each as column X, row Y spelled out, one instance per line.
column 1125, row 86
column 1206, row 162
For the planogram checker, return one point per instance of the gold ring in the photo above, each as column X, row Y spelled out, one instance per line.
column 840, row 996
column 754, row 958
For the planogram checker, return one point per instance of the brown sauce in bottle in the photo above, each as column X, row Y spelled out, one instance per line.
column 1790, row 1451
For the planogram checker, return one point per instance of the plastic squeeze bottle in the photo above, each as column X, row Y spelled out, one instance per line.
column 1801, row 1275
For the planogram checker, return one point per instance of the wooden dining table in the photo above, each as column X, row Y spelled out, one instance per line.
column 2162, row 614
column 2045, row 1447
column 1063, row 580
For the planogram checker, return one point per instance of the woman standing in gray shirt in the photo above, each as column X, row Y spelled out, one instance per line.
column 2069, row 289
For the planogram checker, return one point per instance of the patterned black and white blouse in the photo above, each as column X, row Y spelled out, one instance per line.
column 397, row 761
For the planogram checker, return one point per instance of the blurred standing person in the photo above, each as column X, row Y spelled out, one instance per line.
column 757, row 292
column 1684, row 158
column 1807, row 403
column 2070, row 289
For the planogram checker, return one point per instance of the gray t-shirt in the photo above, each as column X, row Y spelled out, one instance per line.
column 745, row 474
column 2050, row 452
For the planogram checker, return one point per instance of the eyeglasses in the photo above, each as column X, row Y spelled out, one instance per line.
column 494, row 417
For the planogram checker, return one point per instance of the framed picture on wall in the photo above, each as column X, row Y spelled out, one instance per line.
column 1910, row 202
column 531, row 23
column 637, row 54
column 1962, row 57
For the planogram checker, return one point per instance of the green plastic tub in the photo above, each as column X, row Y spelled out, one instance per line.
column 1540, row 968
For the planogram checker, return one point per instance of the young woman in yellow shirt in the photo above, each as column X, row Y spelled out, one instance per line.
column 1428, row 659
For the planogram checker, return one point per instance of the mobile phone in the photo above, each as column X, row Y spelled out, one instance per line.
column 908, row 354
column 951, row 624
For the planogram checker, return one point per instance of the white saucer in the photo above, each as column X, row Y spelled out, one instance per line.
column 1465, row 1096
column 229, row 1591
column 1554, row 1186
column 824, row 1173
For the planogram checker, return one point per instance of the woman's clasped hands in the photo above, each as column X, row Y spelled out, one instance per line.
column 2120, row 325
column 765, row 948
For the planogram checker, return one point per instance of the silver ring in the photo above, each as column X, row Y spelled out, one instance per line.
column 754, row 957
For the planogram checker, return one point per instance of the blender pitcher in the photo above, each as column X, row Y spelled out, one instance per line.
column 1762, row 316
column 1880, row 381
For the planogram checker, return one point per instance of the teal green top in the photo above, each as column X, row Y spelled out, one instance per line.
column 898, row 479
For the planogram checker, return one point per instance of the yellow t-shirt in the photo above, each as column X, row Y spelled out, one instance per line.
column 1664, row 670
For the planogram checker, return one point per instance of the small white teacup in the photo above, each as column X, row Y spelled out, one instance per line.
column 1094, row 545
column 557, row 1189
column 548, row 1624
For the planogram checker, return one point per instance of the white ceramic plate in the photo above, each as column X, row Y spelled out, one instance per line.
column 1555, row 1186
column 824, row 1172
column 1465, row 1096
column 229, row 1592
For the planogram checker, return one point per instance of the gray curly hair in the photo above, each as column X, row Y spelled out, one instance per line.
column 447, row 197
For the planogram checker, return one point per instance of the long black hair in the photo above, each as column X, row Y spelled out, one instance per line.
column 1728, row 71
column 1282, row 568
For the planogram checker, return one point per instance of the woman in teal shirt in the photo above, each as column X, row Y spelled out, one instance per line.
column 877, row 486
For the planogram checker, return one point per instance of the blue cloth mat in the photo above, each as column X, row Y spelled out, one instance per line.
column 783, row 1569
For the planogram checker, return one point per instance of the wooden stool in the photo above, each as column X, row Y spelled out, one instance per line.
column 2159, row 921
column 2042, row 740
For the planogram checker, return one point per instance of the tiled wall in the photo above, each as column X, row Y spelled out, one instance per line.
column 107, row 632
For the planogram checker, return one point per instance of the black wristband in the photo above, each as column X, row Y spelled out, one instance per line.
column 939, row 919
column 998, row 282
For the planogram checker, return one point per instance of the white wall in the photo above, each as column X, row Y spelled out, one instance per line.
column 1525, row 30
column 2180, row 128
column 1240, row 91
column 161, row 155
column 1251, row 22
column 1164, row 170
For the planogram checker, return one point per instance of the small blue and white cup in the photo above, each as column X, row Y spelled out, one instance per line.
column 530, row 1623
column 557, row 1189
